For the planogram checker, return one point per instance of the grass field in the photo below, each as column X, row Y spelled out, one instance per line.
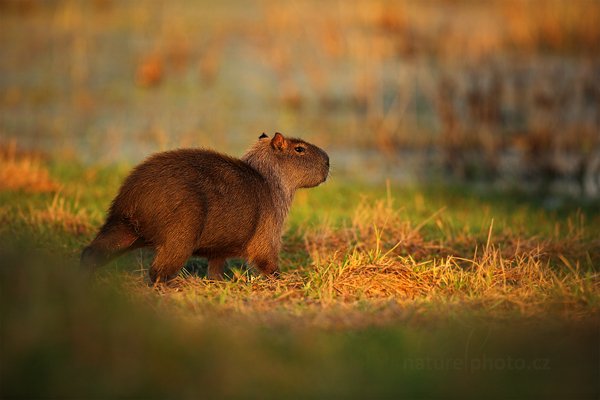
column 385, row 290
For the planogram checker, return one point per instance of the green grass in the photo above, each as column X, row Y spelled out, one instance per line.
column 385, row 291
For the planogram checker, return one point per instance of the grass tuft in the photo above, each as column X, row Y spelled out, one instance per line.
column 61, row 213
column 24, row 171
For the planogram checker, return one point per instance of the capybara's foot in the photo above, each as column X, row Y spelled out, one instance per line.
column 268, row 268
column 215, row 269
column 91, row 258
column 276, row 274
column 157, row 278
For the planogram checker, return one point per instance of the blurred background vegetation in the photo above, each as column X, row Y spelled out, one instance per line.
column 501, row 92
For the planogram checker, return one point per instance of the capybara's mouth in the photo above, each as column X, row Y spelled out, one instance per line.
column 325, row 176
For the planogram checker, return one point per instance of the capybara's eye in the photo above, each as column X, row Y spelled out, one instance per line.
column 299, row 149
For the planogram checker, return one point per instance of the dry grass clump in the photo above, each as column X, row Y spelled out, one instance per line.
column 62, row 213
column 23, row 171
column 358, row 275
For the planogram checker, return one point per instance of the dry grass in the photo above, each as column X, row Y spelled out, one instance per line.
column 362, row 275
column 61, row 213
column 24, row 171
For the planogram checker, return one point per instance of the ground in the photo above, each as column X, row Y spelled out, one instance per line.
column 385, row 290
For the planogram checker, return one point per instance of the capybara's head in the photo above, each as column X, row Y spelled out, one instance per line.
column 298, row 163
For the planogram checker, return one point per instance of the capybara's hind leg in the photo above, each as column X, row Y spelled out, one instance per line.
column 168, row 261
column 215, row 269
column 113, row 240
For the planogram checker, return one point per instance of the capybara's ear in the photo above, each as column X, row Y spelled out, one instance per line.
column 279, row 141
column 264, row 135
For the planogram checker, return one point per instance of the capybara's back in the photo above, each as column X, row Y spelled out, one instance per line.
column 194, row 201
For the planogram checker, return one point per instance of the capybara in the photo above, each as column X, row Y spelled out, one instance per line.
column 198, row 202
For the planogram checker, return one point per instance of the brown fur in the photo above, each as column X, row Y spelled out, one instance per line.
column 198, row 202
